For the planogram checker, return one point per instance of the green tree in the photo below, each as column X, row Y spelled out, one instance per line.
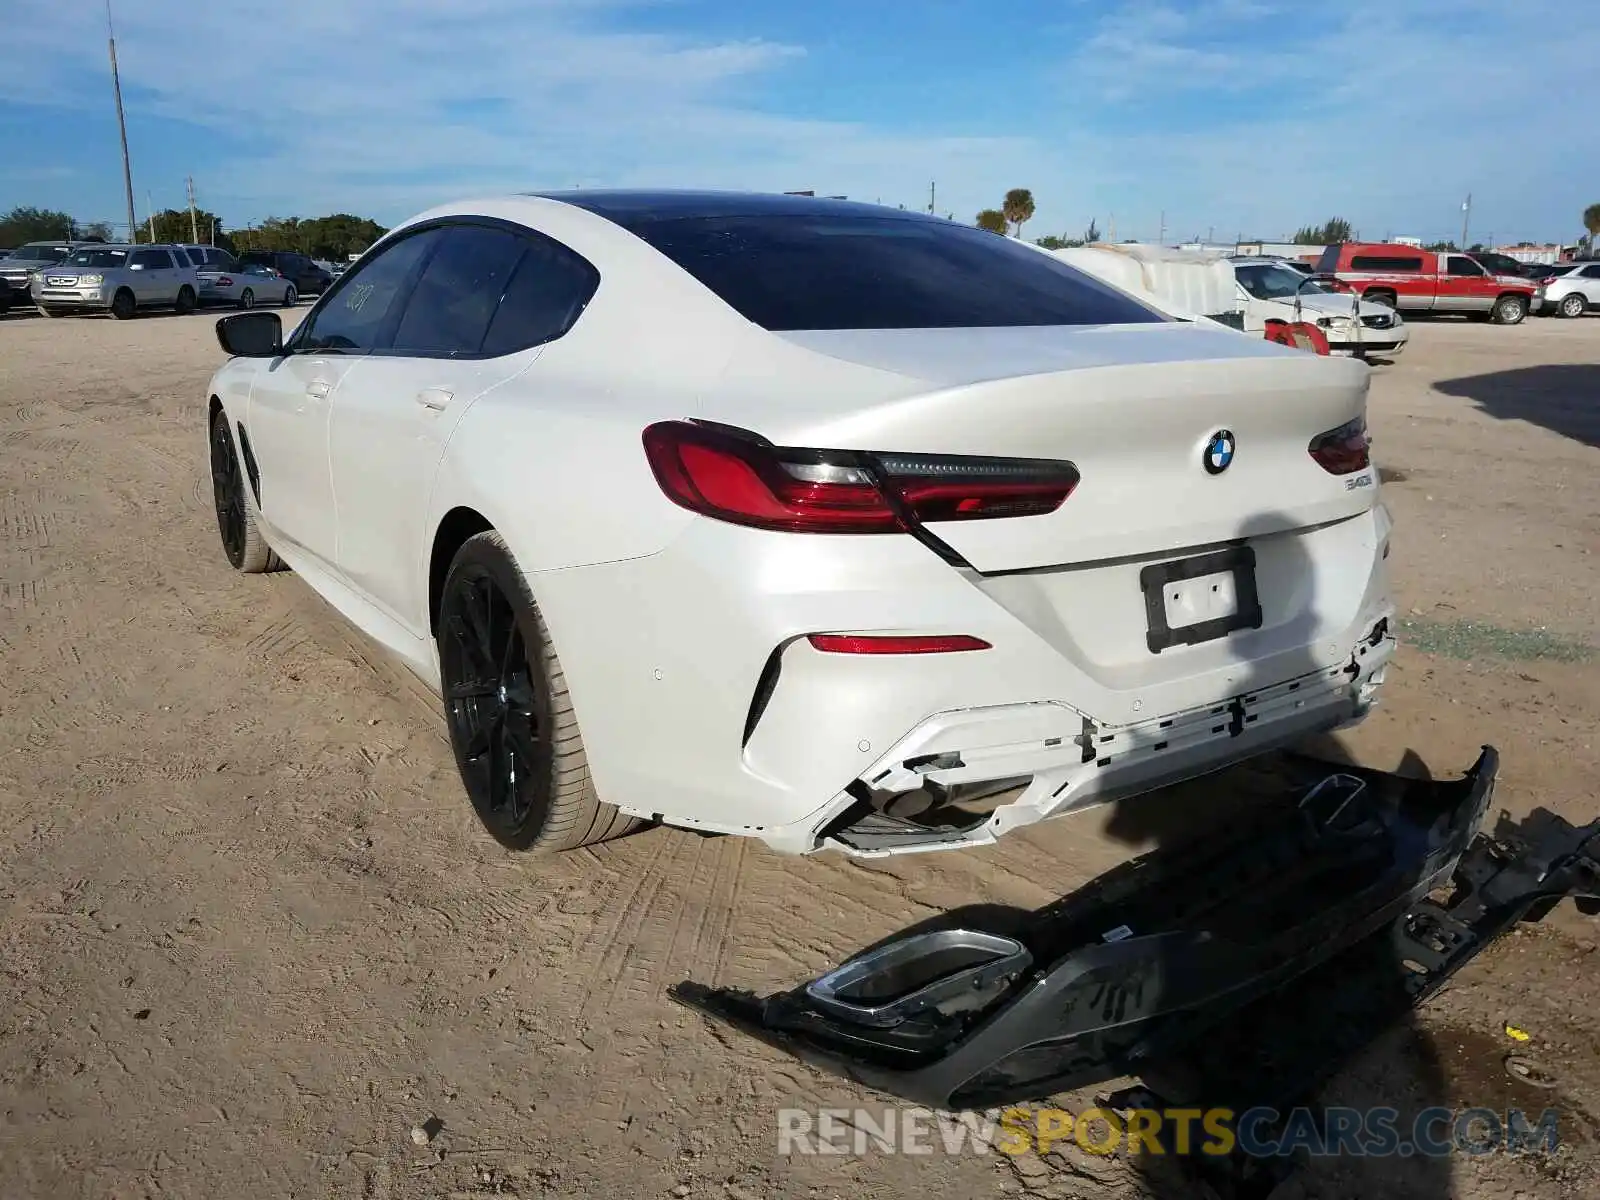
column 22, row 225
column 1051, row 242
column 1091, row 235
column 1017, row 207
column 1436, row 247
column 98, row 229
column 334, row 237
column 173, row 226
column 1591, row 221
column 1335, row 231
column 993, row 220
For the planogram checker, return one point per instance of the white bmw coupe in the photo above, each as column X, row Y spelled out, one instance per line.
column 818, row 522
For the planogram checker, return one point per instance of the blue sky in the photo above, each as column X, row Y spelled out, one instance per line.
column 1238, row 116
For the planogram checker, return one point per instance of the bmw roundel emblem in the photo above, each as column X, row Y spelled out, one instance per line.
column 1218, row 453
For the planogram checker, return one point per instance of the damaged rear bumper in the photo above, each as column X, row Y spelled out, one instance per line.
column 1130, row 972
column 1048, row 759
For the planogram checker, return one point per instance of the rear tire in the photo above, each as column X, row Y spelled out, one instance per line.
column 512, row 727
column 242, row 540
column 247, row 298
column 123, row 306
column 1573, row 306
column 1509, row 310
column 185, row 303
column 289, row 296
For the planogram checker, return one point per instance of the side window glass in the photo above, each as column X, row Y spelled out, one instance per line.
column 1591, row 272
column 1464, row 266
column 551, row 288
column 356, row 315
column 451, row 306
column 142, row 260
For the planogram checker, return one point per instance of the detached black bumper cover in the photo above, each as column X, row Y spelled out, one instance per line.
column 1124, row 976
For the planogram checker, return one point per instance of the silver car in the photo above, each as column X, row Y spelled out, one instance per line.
column 1569, row 289
column 118, row 279
column 247, row 286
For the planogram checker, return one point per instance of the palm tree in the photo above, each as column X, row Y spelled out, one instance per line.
column 993, row 220
column 1018, row 207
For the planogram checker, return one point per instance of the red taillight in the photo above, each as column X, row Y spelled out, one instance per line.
column 849, row 643
column 1343, row 450
column 737, row 476
column 224, row 281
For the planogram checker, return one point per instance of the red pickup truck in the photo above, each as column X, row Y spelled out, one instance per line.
column 1415, row 280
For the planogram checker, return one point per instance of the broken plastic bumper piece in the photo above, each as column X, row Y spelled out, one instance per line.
column 1124, row 976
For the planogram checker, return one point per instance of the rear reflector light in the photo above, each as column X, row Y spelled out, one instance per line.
column 846, row 643
column 1343, row 450
column 224, row 281
column 737, row 476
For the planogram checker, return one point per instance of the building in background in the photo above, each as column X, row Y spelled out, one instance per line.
column 1529, row 252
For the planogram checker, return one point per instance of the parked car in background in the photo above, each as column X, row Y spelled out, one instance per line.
column 210, row 262
column 246, row 285
column 209, row 256
column 1569, row 290
column 120, row 279
column 18, row 267
column 308, row 278
column 1268, row 289
column 941, row 536
column 1415, row 280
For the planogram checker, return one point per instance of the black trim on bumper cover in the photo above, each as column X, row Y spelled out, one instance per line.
column 1212, row 943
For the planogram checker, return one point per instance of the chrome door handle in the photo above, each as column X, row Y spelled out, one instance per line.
column 318, row 389
column 434, row 399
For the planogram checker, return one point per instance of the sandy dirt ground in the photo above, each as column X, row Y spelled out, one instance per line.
column 250, row 935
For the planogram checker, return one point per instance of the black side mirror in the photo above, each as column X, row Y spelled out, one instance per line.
column 251, row 335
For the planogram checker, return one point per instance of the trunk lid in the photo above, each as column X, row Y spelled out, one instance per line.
column 1134, row 407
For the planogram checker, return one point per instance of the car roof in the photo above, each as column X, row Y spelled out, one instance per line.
column 628, row 207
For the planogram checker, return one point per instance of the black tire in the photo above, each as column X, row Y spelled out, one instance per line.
column 242, row 540
column 186, row 302
column 290, row 296
column 512, row 727
column 1573, row 305
column 247, row 298
column 123, row 306
column 1387, row 299
column 1509, row 310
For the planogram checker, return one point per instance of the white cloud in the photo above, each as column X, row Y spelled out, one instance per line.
column 1249, row 116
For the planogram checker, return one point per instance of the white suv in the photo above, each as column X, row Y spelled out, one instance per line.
column 1569, row 289
column 118, row 279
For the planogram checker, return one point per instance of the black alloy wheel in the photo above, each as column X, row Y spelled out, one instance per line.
column 227, row 485
column 497, row 705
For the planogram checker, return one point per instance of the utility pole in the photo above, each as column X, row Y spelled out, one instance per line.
column 194, row 221
column 1161, row 237
column 931, row 197
column 1466, row 215
column 150, row 203
column 122, row 126
column 1111, row 228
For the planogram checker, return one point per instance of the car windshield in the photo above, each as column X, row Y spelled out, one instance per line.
column 98, row 256
column 815, row 272
column 1273, row 281
column 46, row 254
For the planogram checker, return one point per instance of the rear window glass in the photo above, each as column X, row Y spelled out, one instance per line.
column 1384, row 262
column 788, row 272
